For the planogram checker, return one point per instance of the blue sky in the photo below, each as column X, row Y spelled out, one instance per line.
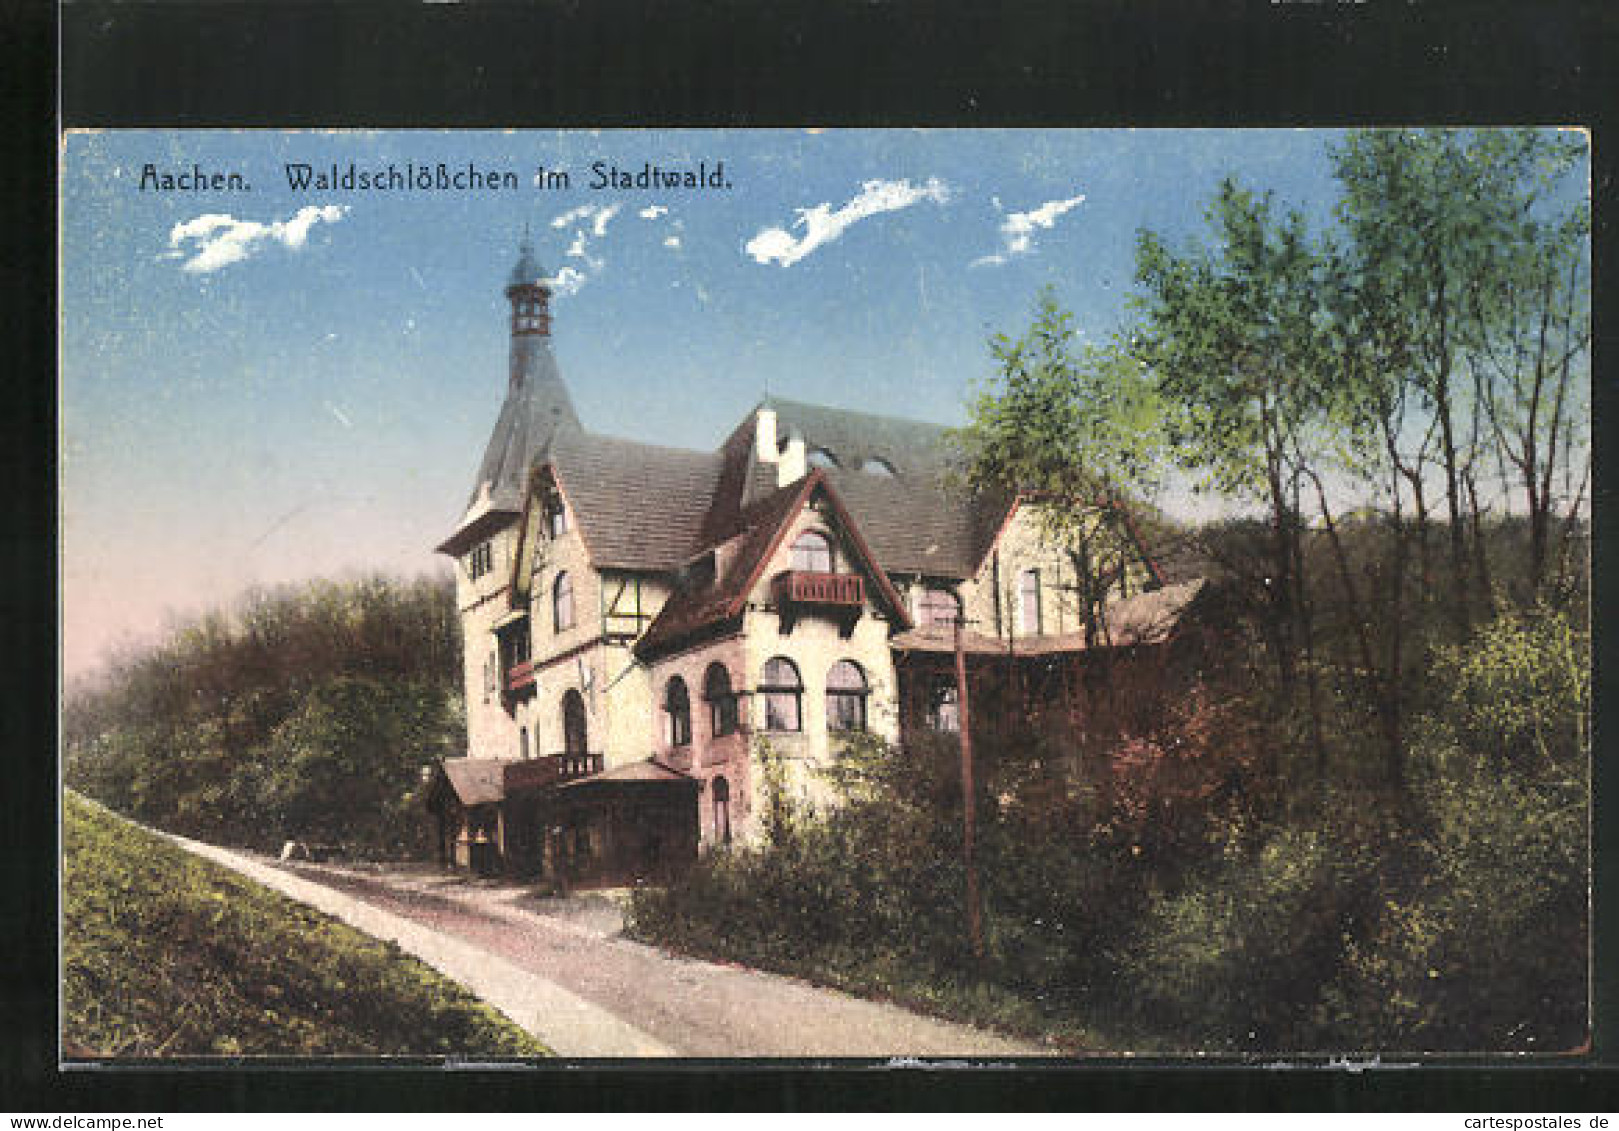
column 266, row 385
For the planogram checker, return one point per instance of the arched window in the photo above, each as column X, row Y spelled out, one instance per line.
column 846, row 696
column 677, row 702
column 721, row 700
column 562, row 602
column 722, row 810
column 938, row 606
column 783, row 693
column 877, row 465
column 820, row 457
column 812, row 552
column 522, row 744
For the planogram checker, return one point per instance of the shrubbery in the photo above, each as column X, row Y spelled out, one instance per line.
column 1151, row 891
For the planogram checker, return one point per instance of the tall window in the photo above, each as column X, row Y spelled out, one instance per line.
column 721, row 700
column 522, row 744
column 938, row 606
column 846, row 696
column 783, row 693
column 575, row 733
column 944, row 709
column 1029, row 601
column 677, row 702
column 562, row 602
column 481, row 560
column 491, row 675
column 556, row 517
column 812, row 553
column 722, row 810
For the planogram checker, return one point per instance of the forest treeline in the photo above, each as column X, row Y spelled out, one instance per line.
column 1352, row 813
column 300, row 712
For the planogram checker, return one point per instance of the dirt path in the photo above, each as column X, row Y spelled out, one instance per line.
column 614, row 997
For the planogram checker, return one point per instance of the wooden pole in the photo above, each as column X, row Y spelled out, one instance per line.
column 975, row 924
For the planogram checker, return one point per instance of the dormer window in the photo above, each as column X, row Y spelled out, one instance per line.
column 812, row 553
column 877, row 465
column 820, row 457
column 481, row 560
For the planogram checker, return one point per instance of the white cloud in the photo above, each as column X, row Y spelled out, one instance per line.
column 573, row 215
column 568, row 281
column 599, row 227
column 822, row 224
column 1017, row 230
column 671, row 241
column 577, row 248
column 217, row 240
column 653, row 211
column 597, row 214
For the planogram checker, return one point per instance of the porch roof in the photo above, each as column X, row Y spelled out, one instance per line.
column 1146, row 618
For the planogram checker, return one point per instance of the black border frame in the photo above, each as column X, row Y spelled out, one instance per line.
column 739, row 63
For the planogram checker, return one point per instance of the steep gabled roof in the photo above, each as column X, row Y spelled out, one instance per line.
column 917, row 520
column 757, row 532
column 638, row 506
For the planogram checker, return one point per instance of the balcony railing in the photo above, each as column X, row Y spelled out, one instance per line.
column 571, row 766
column 799, row 587
column 548, row 770
column 520, row 676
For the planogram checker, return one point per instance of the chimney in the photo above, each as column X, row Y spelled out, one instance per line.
column 764, row 436
column 791, row 466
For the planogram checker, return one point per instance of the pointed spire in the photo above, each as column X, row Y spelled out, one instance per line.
column 528, row 272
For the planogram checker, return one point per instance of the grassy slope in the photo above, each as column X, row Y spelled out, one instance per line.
column 168, row 955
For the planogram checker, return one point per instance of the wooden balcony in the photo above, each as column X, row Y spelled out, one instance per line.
column 799, row 592
column 571, row 766
column 549, row 770
column 520, row 677
column 797, row 587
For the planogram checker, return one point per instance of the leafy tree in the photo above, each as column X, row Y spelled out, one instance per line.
column 1234, row 340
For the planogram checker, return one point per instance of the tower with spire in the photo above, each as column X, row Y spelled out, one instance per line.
column 536, row 411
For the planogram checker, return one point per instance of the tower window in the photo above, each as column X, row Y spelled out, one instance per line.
column 812, row 553
column 783, row 692
column 562, row 602
column 677, row 702
column 846, row 696
column 481, row 560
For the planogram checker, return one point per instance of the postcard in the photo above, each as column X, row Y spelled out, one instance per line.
column 972, row 595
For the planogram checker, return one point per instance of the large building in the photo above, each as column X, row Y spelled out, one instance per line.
column 642, row 624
